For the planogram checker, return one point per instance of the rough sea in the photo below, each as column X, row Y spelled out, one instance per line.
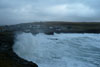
column 59, row 50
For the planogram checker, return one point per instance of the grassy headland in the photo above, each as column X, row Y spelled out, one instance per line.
column 58, row 27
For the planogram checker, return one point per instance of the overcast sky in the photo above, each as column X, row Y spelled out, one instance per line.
column 21, row 11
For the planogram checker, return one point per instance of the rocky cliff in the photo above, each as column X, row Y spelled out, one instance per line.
column 7, row 57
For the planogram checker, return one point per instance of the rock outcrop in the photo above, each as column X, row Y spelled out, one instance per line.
column 7, row 57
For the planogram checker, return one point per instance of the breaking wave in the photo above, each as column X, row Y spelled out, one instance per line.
column 59, row 50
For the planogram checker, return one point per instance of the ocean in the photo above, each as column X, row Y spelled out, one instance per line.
column 59, row 50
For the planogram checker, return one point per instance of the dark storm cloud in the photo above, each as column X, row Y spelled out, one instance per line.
column 20, row 11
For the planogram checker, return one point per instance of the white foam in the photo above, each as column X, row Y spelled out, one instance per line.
column 59, row 50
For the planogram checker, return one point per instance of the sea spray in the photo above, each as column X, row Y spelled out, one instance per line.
column 59, row 50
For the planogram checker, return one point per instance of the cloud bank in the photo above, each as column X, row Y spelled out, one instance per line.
column 21, row 11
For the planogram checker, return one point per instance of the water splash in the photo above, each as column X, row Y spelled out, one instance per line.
column 59, row 50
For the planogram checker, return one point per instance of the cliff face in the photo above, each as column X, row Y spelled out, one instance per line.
column 7, row 57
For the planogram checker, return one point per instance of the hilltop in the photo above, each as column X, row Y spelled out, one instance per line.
column 51, row 27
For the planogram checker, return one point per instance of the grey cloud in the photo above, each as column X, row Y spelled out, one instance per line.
column 20, row 11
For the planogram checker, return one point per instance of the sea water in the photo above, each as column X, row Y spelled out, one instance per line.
column 59, row 50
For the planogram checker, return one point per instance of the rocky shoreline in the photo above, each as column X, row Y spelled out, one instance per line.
column 7, row 57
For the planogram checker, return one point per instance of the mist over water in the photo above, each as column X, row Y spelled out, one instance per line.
column 59, row 50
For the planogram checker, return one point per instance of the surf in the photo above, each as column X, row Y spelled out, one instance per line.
column 59, row 50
